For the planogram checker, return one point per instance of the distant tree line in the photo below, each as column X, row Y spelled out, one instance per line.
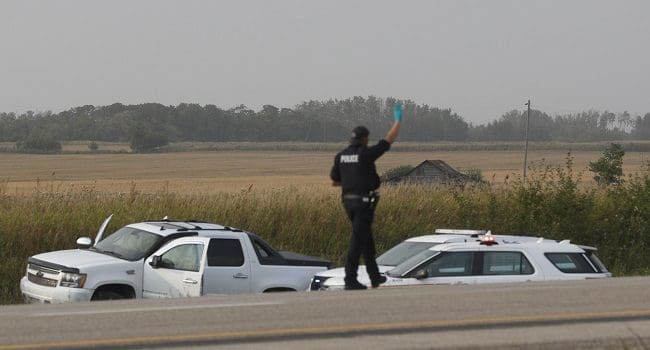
column 580, row 127
column 312, row 121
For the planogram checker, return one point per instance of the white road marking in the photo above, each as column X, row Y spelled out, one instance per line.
column 145, row 309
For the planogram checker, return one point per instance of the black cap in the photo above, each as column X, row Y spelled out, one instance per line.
column 360, row 132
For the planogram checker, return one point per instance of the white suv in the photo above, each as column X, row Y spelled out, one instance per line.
column 491, row 259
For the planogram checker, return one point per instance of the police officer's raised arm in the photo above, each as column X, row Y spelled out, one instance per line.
column 380, row 148
column 391, row 136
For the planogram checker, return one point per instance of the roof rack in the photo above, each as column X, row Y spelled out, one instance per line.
column 167, row 219
column 193, row 223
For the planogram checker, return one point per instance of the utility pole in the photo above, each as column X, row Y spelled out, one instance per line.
column 526, row 149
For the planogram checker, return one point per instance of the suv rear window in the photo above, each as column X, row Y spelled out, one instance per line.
column 596, row 261
column 571, row 262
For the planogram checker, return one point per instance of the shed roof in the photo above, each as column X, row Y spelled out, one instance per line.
column 442, row 166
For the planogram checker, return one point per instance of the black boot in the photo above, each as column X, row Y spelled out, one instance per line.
column 377, row 281
column 355, row 286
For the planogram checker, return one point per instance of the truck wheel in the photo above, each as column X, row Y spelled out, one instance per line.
column 107, row 295
column 280, row 289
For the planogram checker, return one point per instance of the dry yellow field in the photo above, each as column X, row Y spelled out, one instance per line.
column 233, row 171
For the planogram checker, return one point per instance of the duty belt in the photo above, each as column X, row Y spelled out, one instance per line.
column 370, row 197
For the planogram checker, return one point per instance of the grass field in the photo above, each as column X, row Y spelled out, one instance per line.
column 311, row 221
column 233, row 171
column 47, row 201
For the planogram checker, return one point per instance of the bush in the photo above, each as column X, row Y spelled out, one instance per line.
column 38, row 143
column 93, row 146
column 609, row 167
column 474, row 174
column 143, row 140
column 394, row 174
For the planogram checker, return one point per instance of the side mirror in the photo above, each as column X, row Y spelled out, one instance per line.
column 155, row 261
column 421, row 274
column 84, row 242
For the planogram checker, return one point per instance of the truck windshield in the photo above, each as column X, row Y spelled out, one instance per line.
column 399, row 253
column 129, row 243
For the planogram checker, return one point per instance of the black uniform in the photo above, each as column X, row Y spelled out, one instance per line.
column 354, row 168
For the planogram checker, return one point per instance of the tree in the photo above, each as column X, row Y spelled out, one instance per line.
column 642, row 127
column 39, row 142
column 315, row 121
column 144, row 140
column 609, row 167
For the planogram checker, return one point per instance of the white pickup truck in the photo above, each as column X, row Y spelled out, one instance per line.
column 165, row 259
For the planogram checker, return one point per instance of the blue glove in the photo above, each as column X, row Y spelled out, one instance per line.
column 397, row 112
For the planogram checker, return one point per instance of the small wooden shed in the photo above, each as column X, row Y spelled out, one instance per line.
column 434, row 171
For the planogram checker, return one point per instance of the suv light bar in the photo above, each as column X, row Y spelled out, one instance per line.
column 448, row 231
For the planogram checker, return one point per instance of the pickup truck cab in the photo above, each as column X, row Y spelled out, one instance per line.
column 166, row 259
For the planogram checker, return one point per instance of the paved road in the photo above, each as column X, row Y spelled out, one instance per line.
column 613, row 313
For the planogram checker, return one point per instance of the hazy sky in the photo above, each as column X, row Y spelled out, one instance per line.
column 479, row 58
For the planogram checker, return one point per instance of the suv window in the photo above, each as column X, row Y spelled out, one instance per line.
column 595, row 261
column 183, row 257
column 451, row 264
column 225, row 252
column 570, row 262
column 506, row 263
column 401, row 252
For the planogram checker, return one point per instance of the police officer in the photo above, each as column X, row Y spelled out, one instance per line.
column 354, row 170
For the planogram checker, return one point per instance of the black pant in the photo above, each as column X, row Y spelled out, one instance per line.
column 361, row 215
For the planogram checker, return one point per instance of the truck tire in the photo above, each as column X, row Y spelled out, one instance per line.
column 279, row 289
column 107, row 293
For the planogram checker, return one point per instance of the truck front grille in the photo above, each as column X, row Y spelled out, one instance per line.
column 43, row 269
column 43, row 281
column 42, row 275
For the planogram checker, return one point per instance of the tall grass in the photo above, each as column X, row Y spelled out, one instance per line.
column 553, row 204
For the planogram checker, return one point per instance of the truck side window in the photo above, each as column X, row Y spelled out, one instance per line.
column 261, row 251
column 506, row 263
column 225, row 252
column 183, row 257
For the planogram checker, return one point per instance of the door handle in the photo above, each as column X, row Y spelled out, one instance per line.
column 240, row 275
column 189, row 281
